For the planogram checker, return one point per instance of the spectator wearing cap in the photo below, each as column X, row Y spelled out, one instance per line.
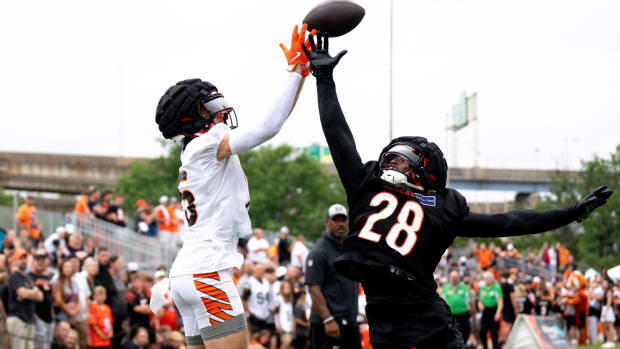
column 257, row 247
column 44, row 319
column 333, row 319
column 23, row 296
column 142, row 226
column 284, row 247
column 27, row 219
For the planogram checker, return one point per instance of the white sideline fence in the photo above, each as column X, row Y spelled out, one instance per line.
column 124, row 242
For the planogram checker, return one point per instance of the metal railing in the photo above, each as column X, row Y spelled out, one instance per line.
column 148, row 252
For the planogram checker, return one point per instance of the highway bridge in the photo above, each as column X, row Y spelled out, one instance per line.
column 73, row 174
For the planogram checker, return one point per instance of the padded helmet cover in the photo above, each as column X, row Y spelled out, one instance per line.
column 178, row 109
column 435, row 170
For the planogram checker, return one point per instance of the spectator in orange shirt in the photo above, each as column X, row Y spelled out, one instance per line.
column 173, row 227
column 563, row 254
column 27, row 219
column 163, row 217
column 100, row 320
column 81, row 205
column 484, row 256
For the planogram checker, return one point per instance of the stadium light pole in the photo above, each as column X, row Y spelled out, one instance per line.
column 391, row 61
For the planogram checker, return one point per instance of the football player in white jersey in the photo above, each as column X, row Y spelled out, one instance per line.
column 215, row 197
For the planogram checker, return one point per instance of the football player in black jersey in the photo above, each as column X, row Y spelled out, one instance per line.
column 403, row 218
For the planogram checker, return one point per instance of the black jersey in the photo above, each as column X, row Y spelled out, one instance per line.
column 396, row 229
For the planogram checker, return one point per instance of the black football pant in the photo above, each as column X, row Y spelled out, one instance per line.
column 349, row 336
column 487, row 324
column 462, row 322
column 446, row 339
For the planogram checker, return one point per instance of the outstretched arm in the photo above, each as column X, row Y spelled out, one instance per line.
column 514, row 223
column 241, row 140
column 337, row 132
column 523, row 222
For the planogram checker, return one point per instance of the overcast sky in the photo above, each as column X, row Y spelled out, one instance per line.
column 84, row 77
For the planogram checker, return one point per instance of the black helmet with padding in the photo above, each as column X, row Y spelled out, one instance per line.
column 431, row 172
column 178, row 110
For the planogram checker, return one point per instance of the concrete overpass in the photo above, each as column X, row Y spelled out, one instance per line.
column 59, row 173
column 72, row 174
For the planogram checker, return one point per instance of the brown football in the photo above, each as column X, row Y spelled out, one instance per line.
column 335, row 17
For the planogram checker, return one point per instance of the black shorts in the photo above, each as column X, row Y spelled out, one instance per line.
column 422, row 325
column 572, row 320
column 448, row 338
column 258, row 324
column 406, row 313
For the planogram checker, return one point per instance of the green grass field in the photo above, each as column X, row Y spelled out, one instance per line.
column 592, row 346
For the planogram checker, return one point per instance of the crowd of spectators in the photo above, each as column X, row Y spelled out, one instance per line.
column 496, row 284
column 67, row 291
column 164, row 221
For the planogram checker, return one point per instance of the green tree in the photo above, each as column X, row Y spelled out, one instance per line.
column 596, row 241
column 7, row 200
column 286, row 187
column 149, row 179
column 599, row 245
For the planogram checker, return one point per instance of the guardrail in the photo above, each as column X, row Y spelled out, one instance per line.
column 126, row 243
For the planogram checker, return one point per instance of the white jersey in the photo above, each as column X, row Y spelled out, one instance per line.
column 299, row 251
column 261, row 298
column 215, row 199
column 253, row 245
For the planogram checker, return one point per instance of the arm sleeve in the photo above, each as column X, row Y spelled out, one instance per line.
column 338, row 134
column 267, row 126
column 514, row 223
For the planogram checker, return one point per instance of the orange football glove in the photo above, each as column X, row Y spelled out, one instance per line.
column 295, row 54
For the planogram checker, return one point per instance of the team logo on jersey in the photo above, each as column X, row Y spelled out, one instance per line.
column 426, row 200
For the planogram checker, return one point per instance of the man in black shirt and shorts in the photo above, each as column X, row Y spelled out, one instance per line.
column 401, row 220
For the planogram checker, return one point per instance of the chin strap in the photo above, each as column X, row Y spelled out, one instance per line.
column 395, row 177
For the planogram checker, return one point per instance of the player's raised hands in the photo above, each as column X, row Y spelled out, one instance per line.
column 295, row 55
column 588, row 204
column 321, row 63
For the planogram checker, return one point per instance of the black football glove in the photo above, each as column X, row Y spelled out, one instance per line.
column 321, row 63
column 588, row 204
